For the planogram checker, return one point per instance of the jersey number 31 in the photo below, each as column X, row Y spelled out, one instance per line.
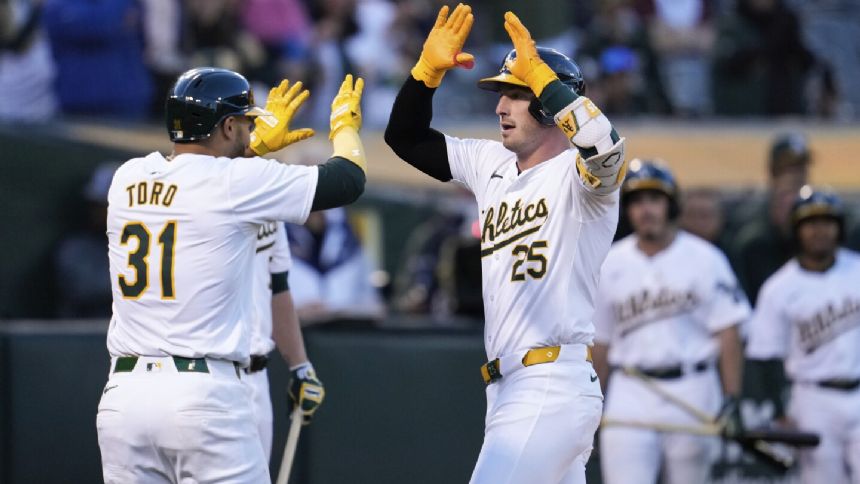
column 137, row 259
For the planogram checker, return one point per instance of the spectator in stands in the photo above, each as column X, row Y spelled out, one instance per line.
column 217, row 39
column 416, row 286
column 98, row 48
column 764, row 244
column 284, row 29
column 26, row 66
column 682, row 34
column 334, row 23
column 164, row 51
column 442, row 272
column 615, row 53
column 831, row 30
column 82, row 276
column 702, row 214
column 330, row 278
column 760, row 62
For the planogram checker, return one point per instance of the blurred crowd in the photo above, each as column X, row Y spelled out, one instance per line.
column 439, row 275
column 688, row 58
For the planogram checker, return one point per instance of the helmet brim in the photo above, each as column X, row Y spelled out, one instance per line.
column 648, row 184
column 494, row 83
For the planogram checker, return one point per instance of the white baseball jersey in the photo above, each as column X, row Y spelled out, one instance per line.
column 664, row 310
column 272, row 257
column 544, row 235
column 181, row 242
column 811, row 319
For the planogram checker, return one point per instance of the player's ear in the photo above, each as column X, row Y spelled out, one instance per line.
column 228, row 126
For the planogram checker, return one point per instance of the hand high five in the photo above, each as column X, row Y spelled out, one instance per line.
column 443, row 49
column 272, row 132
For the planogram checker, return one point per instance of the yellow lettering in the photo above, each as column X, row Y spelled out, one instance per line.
column 168, row 196
column 156, row 192
column 141, row 193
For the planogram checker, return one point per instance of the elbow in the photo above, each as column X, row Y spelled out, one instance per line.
column 358, row 186
column 391, row 136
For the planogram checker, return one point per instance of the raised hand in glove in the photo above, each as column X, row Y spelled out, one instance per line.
column 346, row 106
column 443, row 49
column 527, row 66
column 729, row 419
column 346, row 122
column 272, row 132
column 306, row 391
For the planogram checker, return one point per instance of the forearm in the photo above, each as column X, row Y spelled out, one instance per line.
column 601, row 164
column 286, row 330
column 340, row 182
column 599, row 355
column 730, row 361
column 409, row 133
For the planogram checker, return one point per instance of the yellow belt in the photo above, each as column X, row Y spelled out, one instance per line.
column 491, row 370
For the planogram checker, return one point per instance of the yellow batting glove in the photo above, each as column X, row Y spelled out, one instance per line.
column 443, row 47
column 527, row 66
column 346, row 106
column 272, row 132
column 345, row 122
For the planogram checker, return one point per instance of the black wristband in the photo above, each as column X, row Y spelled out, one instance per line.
column 280, row 282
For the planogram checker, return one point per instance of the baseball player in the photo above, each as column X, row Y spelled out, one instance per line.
column 275, row 321
column 667, row 316
column 808, row 314
column 182, row 231
column 547, row 197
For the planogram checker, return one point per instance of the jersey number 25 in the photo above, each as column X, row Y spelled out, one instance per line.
column 137, row 259
column 529, row 253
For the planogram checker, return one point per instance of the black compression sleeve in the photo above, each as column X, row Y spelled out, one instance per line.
column 279, row 282
column 340, row 183
column 409, row 133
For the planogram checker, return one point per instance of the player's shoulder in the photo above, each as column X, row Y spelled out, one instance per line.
column 136, row 164
column 700, row 248
column 488, row 153
column 783, row 279
column 622, row 248
column 848, row 259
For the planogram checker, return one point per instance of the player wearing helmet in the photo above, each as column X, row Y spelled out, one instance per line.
column 808, row 315
column 548, row 204
column 182, row 231
column 667, row 316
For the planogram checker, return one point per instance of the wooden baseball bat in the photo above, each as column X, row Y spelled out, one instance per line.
column 290, row 446
column 794, row 438
column 759, row 441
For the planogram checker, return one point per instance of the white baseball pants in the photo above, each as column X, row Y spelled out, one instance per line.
column 157, row 425
column 635, row 456
column 261, row 401
column 540, row 423
column 835, row 415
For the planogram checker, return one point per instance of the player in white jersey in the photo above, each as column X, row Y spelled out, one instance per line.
column 808, row 314
column 275, row 323
column 667, row 317
column 548, row 201
column 181, row 238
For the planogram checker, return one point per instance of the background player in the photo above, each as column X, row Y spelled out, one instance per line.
column 808, row 313
column 276, row 321
column 181, row 237
column 548, row 204
column 668, row 307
